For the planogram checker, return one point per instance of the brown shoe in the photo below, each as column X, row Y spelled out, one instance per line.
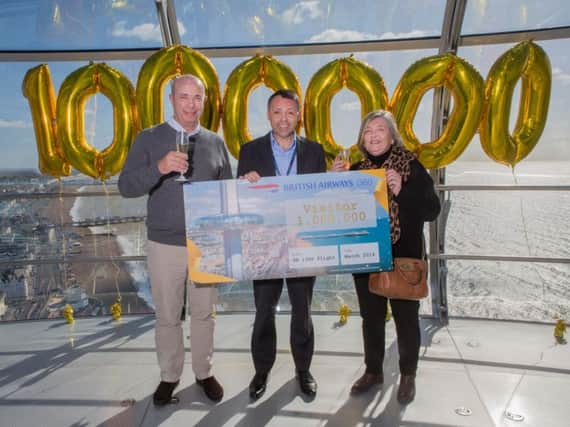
column 366, row 382
column 407, row 389
column 212, row 388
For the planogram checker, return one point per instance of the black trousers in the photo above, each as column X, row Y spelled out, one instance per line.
column 373, row 312
column 264, row 338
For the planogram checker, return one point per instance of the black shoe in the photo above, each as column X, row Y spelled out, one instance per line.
column 257, row 386
column 212, row 388
column 407, row 389
column 307, row 383
column 163, row 393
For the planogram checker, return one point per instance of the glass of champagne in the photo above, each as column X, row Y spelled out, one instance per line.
column 344, row 156
column 182, row 146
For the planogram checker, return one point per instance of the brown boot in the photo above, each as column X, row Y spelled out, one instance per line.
column 366, row 382
column 407, row 389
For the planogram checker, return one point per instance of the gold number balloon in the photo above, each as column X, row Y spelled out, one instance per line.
column 74, row 92
column 466, row 87
column 60, row 135
column 528, row 62
column 169, row 62
column 38, row 89
column 241, row 82
column 349, row 73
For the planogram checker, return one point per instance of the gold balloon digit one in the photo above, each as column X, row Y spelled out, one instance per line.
column 37, row 87
column 466, row 87
column 160, row 67
column 349, row 73
column 528, row 62
column 248, row 75
column 73, row 94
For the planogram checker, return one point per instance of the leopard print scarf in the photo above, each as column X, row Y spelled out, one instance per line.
column 399, row 159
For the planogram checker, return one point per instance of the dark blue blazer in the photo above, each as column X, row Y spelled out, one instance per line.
column 257, row 155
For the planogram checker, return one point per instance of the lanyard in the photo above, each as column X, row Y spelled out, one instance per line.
column 293, row 157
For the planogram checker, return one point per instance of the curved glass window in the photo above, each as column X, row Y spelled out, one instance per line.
column 75, row 239
column 511, row 223
column 78, row 25
column 514, row 15
column 266, row 22
column 18, row 142
column 508, row 290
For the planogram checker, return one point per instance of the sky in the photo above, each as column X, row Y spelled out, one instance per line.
column 67, row 24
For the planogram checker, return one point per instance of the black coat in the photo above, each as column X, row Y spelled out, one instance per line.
column 418, row 203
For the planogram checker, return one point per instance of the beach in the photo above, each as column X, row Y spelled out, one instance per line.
column 103, row 282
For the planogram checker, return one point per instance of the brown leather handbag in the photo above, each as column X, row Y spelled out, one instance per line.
column 408, row 280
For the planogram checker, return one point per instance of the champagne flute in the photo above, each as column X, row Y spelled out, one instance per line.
column 182, row 146
column 344, row 156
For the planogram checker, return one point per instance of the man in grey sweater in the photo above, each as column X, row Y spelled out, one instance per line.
column 151, row 168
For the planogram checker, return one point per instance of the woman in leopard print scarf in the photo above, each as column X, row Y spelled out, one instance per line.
column 396, row 161
column 412, row 201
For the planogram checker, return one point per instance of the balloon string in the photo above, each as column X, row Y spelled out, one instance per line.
column 109, row 242
column 526, row 236
column 61, row 207
column 93, row 230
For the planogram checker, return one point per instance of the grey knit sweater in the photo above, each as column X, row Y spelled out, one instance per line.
column 165, row 206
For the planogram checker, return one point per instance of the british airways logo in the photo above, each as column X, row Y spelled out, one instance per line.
column 273, row 188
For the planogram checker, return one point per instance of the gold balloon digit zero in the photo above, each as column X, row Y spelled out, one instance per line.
column 70, row 108
column 349, row 73
column 466, row 87
column 528, row 62
column 169, row 62
column 248, row 75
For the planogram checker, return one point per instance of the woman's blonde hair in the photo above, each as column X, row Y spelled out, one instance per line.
column 389, row 118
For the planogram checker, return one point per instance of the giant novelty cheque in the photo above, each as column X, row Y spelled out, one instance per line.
column 287, row 226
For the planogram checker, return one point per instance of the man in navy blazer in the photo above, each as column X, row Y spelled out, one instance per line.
column 282, row 152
